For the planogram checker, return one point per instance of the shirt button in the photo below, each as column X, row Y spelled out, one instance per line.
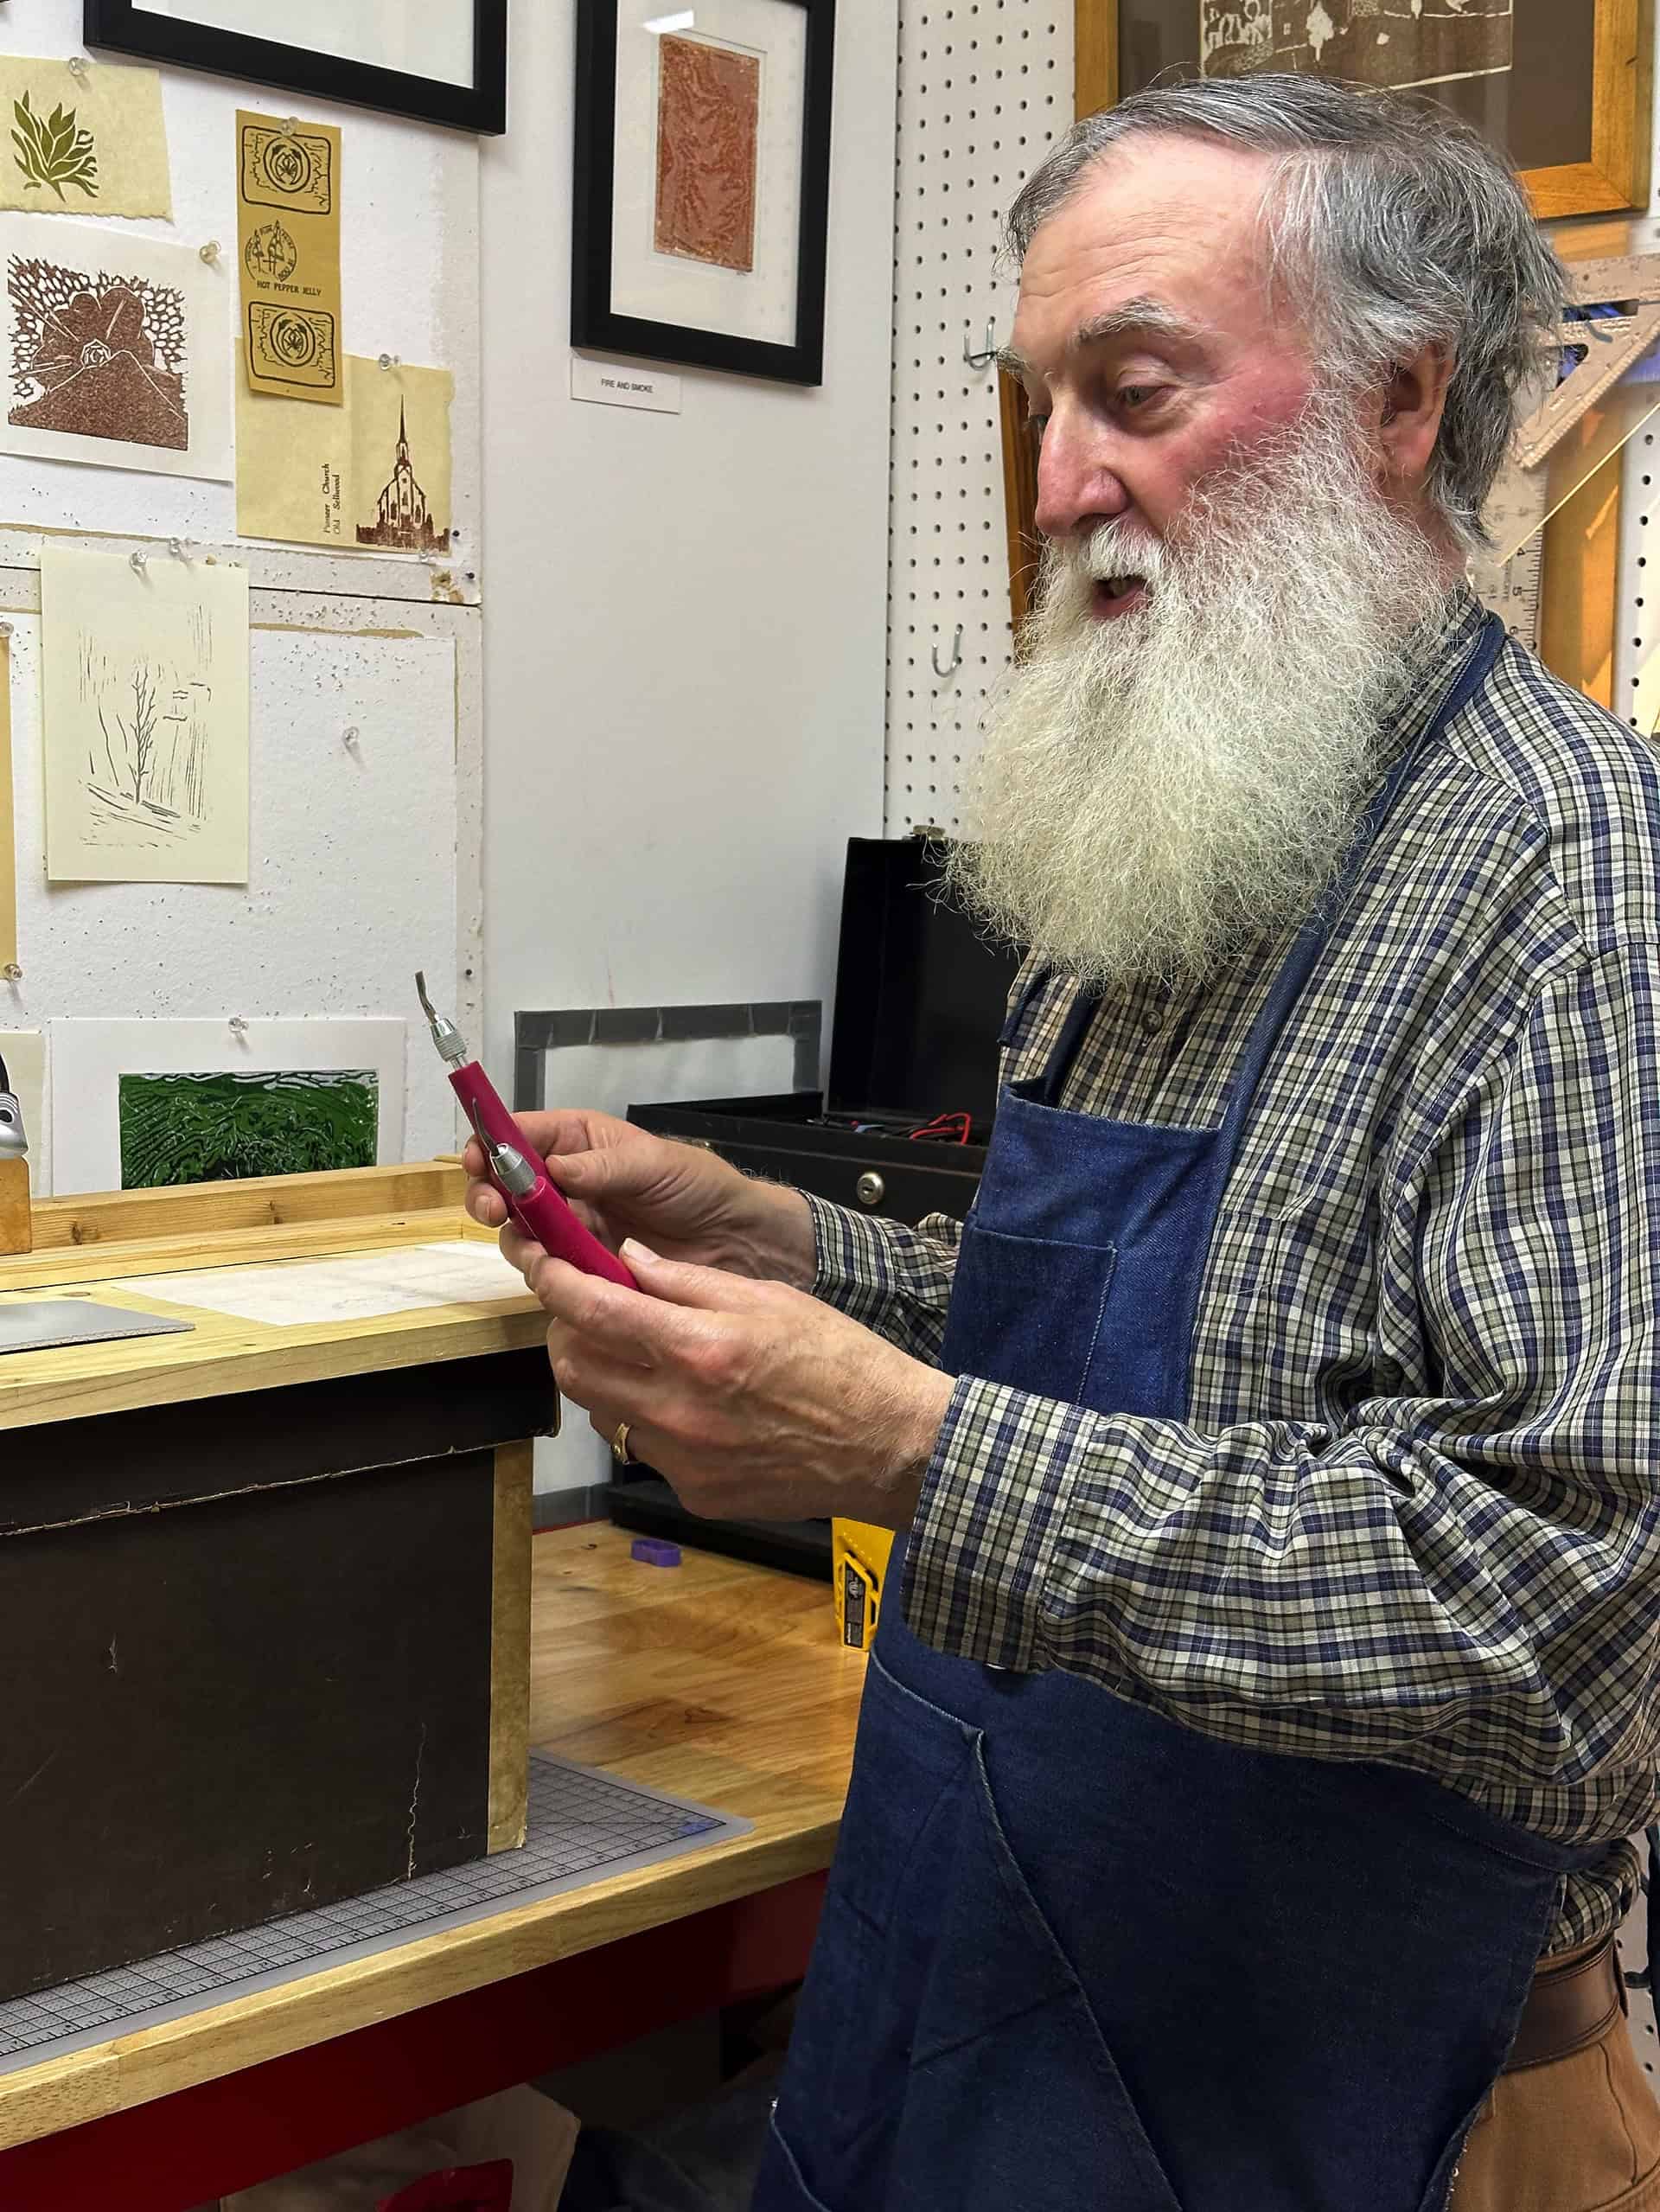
column 1153, row 1021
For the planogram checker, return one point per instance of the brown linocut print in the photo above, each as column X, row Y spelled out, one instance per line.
column 403, row 520
column 708, row 114
column 100, row 357
column 1378, row 42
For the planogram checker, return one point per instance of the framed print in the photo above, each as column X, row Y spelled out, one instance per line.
column 442, row 61
column 1562, row 87
column 702, row 183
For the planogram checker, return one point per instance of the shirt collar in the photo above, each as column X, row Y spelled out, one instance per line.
column 1420, row 693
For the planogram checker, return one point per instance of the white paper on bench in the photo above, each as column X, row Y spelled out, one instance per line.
column 355, row 1287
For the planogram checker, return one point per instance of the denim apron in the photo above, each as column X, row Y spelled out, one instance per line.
column 1075, row 1954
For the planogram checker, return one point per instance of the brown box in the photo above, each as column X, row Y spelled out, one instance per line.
column 263, row 1651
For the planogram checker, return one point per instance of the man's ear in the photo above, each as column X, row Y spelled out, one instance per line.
column 1410, row 421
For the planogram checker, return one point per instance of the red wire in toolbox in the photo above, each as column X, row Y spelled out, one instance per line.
column 946, row 1128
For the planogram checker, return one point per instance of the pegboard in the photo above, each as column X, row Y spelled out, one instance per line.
column 984, row 90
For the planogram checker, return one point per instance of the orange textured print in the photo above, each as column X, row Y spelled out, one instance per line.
column 708, row 108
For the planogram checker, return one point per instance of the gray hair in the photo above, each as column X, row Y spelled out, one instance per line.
column 1390, row 225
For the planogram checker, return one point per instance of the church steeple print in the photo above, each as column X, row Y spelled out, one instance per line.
column 403, row 521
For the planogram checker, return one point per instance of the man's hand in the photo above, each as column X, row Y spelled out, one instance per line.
column 687, row 1203
column 752, row 1398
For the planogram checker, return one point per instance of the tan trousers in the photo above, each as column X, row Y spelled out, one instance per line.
column 1581, row 2134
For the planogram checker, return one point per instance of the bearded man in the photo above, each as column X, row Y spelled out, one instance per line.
column 1236, row 1820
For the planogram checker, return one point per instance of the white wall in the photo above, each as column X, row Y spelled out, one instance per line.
column 686, row 628
column 359, row 860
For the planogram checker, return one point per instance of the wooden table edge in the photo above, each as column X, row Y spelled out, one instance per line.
column 205, row 2046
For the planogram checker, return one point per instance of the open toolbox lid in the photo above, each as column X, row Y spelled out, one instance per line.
column 921, row 993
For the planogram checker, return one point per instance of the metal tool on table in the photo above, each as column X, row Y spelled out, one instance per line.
column 540, row 1209
column 13, row 1138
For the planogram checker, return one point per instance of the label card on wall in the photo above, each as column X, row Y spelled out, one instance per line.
column 615, row 386
column 288, row 246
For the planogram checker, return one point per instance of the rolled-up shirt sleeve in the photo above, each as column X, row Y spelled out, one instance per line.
column 1463, row 1576
column 896, row 1280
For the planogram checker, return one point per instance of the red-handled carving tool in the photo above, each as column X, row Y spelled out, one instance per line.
column 540, row 1209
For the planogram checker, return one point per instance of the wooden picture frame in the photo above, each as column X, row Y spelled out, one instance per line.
column 1580, row 547
column 750, row 296
column 129, row 26
column 1614, row 171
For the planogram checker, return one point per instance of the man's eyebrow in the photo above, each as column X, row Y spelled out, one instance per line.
column 1137, row 318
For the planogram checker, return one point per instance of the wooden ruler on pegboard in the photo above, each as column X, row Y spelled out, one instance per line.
column 1610, row 263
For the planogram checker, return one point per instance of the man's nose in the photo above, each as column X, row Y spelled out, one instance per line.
column 1076, row 488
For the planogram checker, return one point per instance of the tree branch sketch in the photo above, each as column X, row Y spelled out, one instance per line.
column 147, row 742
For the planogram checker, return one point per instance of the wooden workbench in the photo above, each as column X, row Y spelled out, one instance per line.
column 94, row 1244
column 716, row 1680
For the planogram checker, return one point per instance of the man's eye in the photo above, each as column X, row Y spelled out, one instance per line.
column 1133, row 396
column 1036, row 425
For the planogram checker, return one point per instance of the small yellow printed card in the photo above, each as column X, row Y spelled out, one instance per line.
column 288, row 246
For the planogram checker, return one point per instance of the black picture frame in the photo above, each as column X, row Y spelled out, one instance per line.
column 481, row 106
column 594, row 324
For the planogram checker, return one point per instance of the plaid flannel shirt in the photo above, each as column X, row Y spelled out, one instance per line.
column 1409, row 1512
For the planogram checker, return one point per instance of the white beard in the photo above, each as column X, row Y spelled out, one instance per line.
column 1157, row 789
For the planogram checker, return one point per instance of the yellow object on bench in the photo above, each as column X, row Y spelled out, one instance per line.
column 858, row 1573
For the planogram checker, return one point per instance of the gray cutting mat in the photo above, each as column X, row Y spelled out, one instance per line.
column 582, row 1825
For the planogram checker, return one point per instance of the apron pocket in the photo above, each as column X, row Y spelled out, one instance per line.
column 1043, row 1300
column 1013, row 2096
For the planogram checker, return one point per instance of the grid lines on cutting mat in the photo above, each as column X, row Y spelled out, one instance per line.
column 581, row 1826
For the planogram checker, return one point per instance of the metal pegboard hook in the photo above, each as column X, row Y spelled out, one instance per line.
column 979, row 360
column 954, row 662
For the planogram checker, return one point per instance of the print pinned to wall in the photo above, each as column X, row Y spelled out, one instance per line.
column 118, row 351
column 145, row 719
column 94, row 144
column 1394, row 44
column 141, row 1095
column 288, row 242
column 375, row 474
column 234, row 1123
